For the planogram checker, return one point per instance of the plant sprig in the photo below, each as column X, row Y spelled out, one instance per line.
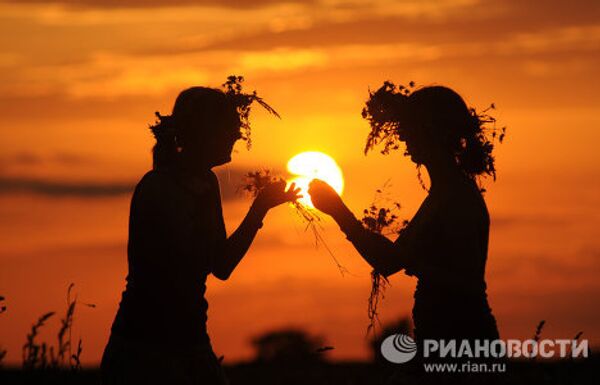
column 40, row 356
column 380, row 219
column 255, row 181
column 242, row 101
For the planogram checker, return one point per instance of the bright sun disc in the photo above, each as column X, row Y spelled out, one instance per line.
column 309, row 165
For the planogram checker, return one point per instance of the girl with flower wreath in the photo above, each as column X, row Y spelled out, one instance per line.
column 445, row 244
column 177, row 238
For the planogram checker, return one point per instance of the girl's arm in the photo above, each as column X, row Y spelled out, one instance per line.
column 382, row 254
column 239, row 242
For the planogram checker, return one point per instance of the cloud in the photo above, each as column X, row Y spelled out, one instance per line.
column 21, row 158
column 200, row 43
column 338, row 9
column 230, row 178
column 528, row 37
column 282, row 60
column 78, row 4
column 64, row 253
column 15, row 185
column 113, row 75
column 25, row 158
column 554, row 267
column 503, row 221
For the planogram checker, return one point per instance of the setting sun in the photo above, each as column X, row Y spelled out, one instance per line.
column 309, row 165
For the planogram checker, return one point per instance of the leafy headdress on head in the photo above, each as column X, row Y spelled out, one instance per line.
column 169, row 129
column 243, row 102
column 386, row 111
column 394, row 112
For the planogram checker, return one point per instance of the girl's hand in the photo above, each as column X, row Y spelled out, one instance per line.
column 275, row 194
column 325, row 198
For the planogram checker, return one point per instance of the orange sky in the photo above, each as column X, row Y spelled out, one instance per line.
column 80, row 81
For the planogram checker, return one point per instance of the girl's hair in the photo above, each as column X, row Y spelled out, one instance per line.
column 197, row 111
column 433, row 113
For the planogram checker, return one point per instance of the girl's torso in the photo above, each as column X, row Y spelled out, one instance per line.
column 176, row 228
column 451, row 231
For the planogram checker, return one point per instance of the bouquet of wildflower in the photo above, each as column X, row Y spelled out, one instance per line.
column 255, row 181
column 385, row 221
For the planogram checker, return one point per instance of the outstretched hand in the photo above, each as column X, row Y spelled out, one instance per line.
column 275, row 194
column 325, row 198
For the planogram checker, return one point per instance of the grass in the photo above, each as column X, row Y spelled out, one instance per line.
column 38, row 356
column 563, row 372
column 2, row 310
column 61, row 364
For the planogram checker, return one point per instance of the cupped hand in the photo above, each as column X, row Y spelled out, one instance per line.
column 275, row 194
column 325, row 198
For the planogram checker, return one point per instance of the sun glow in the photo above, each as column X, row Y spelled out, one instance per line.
column 309, row 165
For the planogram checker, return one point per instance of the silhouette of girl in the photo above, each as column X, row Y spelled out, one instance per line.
column 445, row 244
column 177, row 238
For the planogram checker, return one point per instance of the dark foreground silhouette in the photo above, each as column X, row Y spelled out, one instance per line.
column 445, row 244
column 293, row 356
column 564, row 372
column 177, row 238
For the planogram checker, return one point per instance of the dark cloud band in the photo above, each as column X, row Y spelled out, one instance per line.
column 230, row 180
column 240, row 4
column 17, row 185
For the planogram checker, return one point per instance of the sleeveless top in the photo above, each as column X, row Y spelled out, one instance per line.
column 176, row 229
column 447, row 243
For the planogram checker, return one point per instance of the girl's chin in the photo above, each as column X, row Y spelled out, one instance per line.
column 223, row 160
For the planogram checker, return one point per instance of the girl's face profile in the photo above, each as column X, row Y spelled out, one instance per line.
column 414, row 151
column 218, row 145
column 423, row 144
column 211, row 140
column 414, row 146
column 230, row 132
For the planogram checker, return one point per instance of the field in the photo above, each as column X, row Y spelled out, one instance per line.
column 583, row 371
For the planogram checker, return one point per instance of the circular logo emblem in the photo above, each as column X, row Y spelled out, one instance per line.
column 398, row 348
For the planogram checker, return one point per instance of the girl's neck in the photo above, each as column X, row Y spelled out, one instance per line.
column 443, row 174
column 193, row 164
column 185, row 169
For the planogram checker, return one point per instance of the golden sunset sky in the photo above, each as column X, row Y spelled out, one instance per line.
column 80, row 82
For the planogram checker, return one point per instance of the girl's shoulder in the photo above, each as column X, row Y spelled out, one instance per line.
column 152, row 190
column 168, row 182
column 462, row 199
column 153, row 178
column 165, row 193
column 155, row 182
